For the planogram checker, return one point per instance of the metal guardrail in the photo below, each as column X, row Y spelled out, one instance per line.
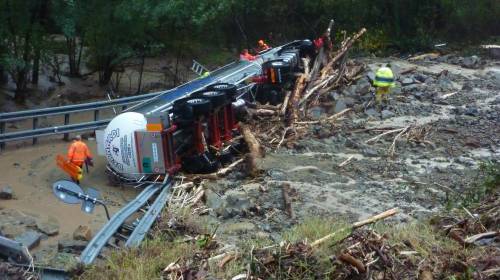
column 148, row 219
column 35, row 114
column 109, row 229
column 47, row 131
column 91, row 106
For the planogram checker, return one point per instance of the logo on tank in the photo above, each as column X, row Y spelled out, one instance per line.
column 111, row 149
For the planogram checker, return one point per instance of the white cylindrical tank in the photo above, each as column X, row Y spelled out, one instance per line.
column 119, row 143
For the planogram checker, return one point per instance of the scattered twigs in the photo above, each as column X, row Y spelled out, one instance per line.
column 384, row 134
column 345, row 162
column 283, row 137
column 346, row 45
column 359, row 224
column 444, row 96
column 392, row 148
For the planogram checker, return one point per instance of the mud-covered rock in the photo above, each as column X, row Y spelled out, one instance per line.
column 252, row 189
column 71, row 245
column 50, row 228
column 233, row 203
column 82, row 232
column 471, row 62
column 387, row 114
column 30, row 239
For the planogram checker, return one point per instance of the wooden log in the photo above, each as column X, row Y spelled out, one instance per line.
column 321, row 58
column 477, row 237
column 370, row 220
column 220, row 173
column 287, row 200
column 226, row 259
column 285, row 103
column 262, row 112
column 255, row 150
column 347, row 258
column 293, row 105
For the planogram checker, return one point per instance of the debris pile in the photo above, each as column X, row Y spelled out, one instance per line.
column 283, row 124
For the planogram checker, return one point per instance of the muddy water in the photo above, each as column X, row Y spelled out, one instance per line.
column 32, row 170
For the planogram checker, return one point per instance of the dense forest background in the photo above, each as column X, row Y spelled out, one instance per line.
column 33, row 32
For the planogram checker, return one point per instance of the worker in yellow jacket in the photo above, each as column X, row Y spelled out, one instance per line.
column 384, row 81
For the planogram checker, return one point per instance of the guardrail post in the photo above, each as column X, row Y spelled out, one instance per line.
column 35, row 126
column 96, row 115
column 66, row 122
column 2, row 131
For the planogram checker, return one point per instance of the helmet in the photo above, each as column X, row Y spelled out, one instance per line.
column 261, row 42
column 384, row 77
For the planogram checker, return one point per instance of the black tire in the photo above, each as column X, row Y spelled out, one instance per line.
column 179, row 105
column 230, row 89
column 217, row 98
column 226, row 157
column 274, row 97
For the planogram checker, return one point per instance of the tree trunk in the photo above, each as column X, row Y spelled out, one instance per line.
column 71, row 48
column 105, row 75
column 36, row 67
column 80, row 51
column 3, row 76
column 21, row 81
column 141, row 71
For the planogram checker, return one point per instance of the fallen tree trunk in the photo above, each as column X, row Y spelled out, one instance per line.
column 293, row 105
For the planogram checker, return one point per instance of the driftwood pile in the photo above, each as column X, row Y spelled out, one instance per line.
column 283, row 124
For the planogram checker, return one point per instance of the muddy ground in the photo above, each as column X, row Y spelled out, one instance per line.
column 453, row 108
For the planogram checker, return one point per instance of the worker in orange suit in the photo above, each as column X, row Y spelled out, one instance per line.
column 262, row 46
column 79, row 153
column 245, row 55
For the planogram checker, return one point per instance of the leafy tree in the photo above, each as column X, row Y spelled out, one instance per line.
column 22, row 33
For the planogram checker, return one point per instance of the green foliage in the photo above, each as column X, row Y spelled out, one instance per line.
column 488, row 182
column 114, row 31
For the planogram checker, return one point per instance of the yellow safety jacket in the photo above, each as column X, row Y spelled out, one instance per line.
column 384, row 78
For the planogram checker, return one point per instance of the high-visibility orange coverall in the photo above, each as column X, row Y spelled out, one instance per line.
column 78, row 152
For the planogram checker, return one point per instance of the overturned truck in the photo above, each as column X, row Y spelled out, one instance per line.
column 193, row 127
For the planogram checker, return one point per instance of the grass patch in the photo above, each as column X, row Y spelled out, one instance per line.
column 145, row 262
column 487, row 183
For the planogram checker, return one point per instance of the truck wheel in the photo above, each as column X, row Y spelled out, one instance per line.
column 198, row 106
column 217, row 98
column 229, row 89
column 274, row 97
